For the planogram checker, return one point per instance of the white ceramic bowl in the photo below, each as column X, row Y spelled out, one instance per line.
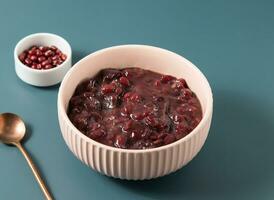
column 42, row 77
column 135, row 164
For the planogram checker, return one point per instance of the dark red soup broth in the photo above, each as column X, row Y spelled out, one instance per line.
column 133, row 108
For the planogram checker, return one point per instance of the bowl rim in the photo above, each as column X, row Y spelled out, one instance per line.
column 42, row 35
column 64, row 116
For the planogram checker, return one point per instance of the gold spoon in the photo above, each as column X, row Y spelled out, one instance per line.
column 12, row 131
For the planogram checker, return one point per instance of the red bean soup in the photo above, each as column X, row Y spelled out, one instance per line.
column 134, row 108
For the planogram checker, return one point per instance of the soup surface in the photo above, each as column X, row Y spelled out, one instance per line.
column 133, row 108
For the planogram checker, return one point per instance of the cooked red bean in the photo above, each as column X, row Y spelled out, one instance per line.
column 124, row 81
column 134, row 108
column 42, row 57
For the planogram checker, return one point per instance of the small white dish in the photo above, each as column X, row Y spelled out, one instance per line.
column 127, row 163
column 42, row 78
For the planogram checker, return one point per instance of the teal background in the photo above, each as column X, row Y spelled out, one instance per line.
column 232, row 42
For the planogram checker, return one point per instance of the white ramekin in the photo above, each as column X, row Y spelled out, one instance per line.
column 47, row 77
column 135, row 164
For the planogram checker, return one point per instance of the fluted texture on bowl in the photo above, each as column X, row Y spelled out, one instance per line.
column 133, row 165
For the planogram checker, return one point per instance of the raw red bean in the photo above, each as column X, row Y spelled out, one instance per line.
column 43, row 48
column 54, row 62
column 39, row 66
column 43, row 57
column 59, row 61
column 49, row 60
column 49, row 53
column 39, row 52
column 34, row 47
column 28, row 61
column 22, row 56
column 44, row 63
column 55, row 57
column 34, row 66
column 63, row 57
column 33, row 58
column 48, row 66
column 31, row 52
column 53, row 48
column 58, row 52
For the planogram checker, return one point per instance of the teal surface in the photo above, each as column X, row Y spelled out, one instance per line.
column 232, row 42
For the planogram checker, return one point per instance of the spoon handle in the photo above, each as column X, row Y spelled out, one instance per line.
column 35, row 172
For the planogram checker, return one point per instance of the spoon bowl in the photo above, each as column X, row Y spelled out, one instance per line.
column 12, row 128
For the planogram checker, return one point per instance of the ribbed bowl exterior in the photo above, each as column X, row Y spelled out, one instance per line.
column 133, row 165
